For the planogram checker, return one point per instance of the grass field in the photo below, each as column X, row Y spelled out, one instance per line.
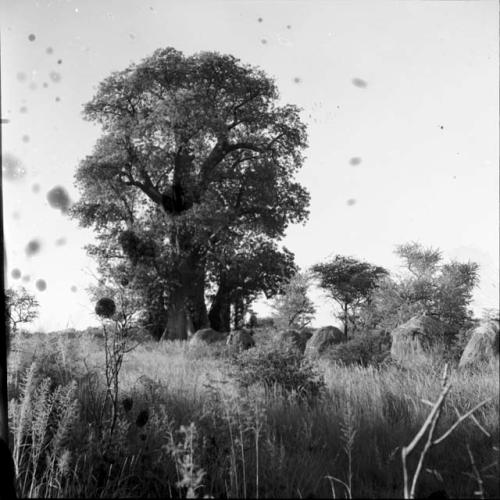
column 186, row 427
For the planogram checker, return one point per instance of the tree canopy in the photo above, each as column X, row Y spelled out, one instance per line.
column 199, row 147
column 350, row 282
column 429, row 286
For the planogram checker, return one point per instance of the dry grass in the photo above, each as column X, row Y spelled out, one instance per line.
column 243, row 444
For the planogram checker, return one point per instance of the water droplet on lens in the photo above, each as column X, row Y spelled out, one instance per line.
column 59, row 61
column 297, row 80
column 49, row 50
column 33, row 247
column 351, row 202
column 23, row 109
column 21, row 76
column 55, row 76
column 358, row 82
column 15, row 273
column 260, row 19
column 58, row 198
column 26, row 278
column 12, row 168
column 35, row 188
column 31, row 37
column 41, row 285
column 33, row 86
column 74, row 289
column 355, row 161
column 26, row 138
column 61, row 242
column 263, row 41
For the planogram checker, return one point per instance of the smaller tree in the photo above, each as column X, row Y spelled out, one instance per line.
column 441, row 290
column 293, row 308
column 350, row 282
column 22, row 307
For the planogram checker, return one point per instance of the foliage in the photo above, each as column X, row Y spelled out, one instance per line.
column 262, row 444
column 293, row 308
column 370, row 348
column 443, row 291
column 277, row 363
column 196, row 153
column 21, row 307
column 350, row 282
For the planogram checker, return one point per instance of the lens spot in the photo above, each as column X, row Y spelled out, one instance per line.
column 60, row 242
column 260, row 19
column 132, row 36
column 355, row 161
column 45, row 85
column 4, row 120
column 12, row 168
column 15, row 273
column 58, row 99
column 16, row 215
column 33, row 247
column 73, row 289
column 58, row 198
column 21, row 76
column 23, row 109
column 441, row 127
column 26, row 138
column 105, row 307
column 263, row 41
column 358, row 82
column 55, row 76
column 33, row 86
column 26, row 278
column 41, row 285
column 297, row 80
column 288, row 27
column 49, row 50
column 351, row 202
column 59, row 61
column 31, row 37
column 35, row 188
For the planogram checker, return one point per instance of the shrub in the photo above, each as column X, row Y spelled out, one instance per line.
column 365, row 349
column 276, row 364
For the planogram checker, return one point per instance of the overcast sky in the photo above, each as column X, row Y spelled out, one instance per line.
column 409, row 90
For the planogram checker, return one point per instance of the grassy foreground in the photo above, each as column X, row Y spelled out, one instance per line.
column 185, row 428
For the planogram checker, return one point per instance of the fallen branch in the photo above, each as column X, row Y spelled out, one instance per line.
column 429, row 427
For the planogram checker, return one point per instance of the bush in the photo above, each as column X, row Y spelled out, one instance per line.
column 365, row 349
column 277, row 364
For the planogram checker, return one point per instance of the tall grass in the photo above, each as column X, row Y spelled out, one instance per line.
column 203, row 435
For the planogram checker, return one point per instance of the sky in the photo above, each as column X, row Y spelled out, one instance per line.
column 400, row 100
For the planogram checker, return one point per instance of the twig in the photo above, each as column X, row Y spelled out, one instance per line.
column 430, row 425
column 460, row 420
column 477, row 476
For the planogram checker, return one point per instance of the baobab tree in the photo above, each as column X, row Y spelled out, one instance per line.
column 202, row 146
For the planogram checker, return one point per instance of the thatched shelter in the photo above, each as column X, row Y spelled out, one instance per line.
column 417, row 340
column 483, row 346
column 322, row 339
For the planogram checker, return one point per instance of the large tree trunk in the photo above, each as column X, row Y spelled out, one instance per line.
column 239, row 312
column 187, row 311
column 220, row 311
